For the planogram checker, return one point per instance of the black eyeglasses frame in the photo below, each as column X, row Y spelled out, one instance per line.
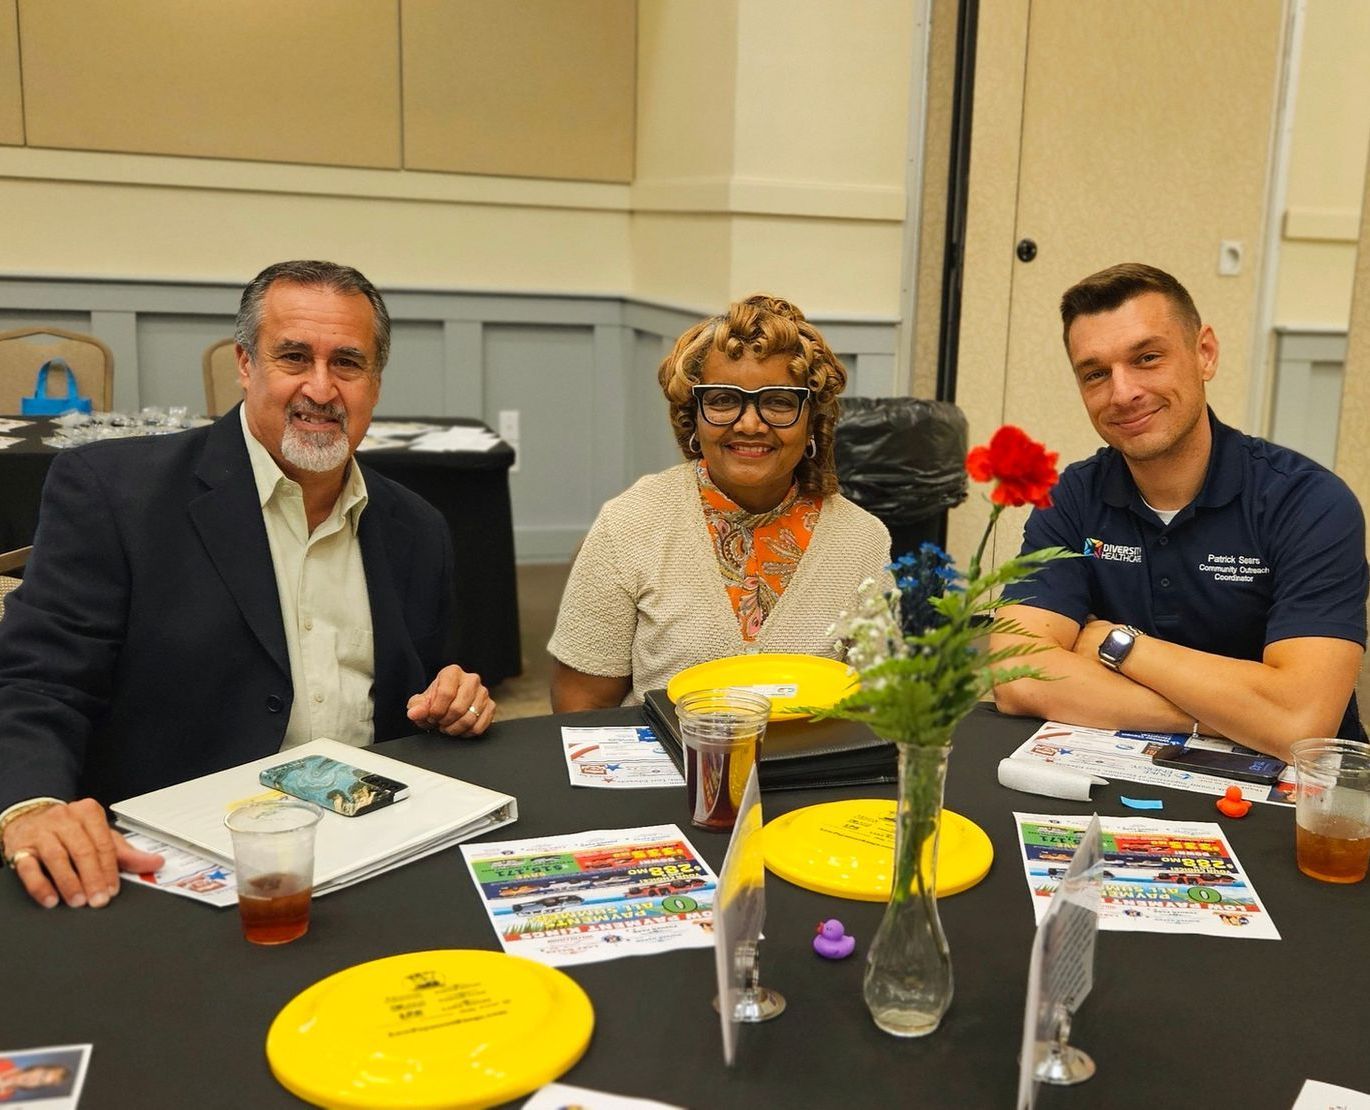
column 751, row 397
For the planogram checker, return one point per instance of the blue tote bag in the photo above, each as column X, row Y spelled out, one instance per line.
column 40, row 404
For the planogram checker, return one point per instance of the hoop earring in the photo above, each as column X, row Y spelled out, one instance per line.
column 693, row 444
column 811, row 451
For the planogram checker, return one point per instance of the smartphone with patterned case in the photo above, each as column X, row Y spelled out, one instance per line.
column 337, row 787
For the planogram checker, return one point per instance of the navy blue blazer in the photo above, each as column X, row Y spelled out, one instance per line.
column 146, row 647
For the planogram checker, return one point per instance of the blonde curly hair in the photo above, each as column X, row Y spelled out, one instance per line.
column 761, row 326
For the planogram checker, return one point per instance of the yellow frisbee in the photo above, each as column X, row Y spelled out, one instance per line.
column 789, row 680
column 846, row 849
column 448, row 1028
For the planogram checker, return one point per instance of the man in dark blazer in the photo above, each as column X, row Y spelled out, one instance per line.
column 150, row 643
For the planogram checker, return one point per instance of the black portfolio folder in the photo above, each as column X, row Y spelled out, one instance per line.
column 796, row 754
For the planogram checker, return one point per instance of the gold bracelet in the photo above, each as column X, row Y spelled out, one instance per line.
column 15, row 812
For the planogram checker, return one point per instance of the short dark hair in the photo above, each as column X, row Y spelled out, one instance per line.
column 1111, row 288
column 319, row 275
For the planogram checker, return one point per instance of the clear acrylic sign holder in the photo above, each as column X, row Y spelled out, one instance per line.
column 1061, row 974
column 739, row 914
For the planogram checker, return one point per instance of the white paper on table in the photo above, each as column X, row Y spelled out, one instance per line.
column 389, row 429
column 464, row 437
column 628, row 757
column 584, row 897
column 185, row 873
column 75, row 1058
column 1317, row 1095
column 10, row 424
column 9, row 441
column 1127, row 756
column 1157, row 877
column 562, row 1096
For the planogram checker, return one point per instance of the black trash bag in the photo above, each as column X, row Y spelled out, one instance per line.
column 902, row 459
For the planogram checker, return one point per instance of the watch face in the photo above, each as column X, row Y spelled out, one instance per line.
column 1116, row 645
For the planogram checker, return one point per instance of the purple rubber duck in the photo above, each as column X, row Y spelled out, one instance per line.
column 832, row 942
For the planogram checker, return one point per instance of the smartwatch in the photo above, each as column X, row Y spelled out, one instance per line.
column 1117, row 645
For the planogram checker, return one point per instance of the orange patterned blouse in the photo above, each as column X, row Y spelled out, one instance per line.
column 757, row 553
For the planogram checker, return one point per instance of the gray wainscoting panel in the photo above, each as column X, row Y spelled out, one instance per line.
column 170, row 367
column 651, row 442
column 415, row 378
column 547, row 375
column 1308, row 381
column 67, row 321
column 580, row 370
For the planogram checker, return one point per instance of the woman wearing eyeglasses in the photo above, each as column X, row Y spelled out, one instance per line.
column 747, row 546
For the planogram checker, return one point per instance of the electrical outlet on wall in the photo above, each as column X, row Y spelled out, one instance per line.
column 509, row 432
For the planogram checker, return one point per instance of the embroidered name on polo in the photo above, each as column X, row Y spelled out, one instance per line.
column 1111, row 552
column 1234, row 568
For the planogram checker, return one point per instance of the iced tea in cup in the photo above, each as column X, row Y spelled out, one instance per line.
column 273, row 855
column 1332, row 809
column 721, row 731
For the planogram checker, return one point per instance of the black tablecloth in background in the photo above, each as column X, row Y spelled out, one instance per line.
column 469, row 488
column 177, row 1005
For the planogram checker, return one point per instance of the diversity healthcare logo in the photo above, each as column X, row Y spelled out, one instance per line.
column 1110, row 552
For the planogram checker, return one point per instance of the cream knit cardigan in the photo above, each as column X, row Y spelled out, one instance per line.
column 646, row 598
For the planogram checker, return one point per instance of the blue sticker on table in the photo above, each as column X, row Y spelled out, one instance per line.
column 1142, row 803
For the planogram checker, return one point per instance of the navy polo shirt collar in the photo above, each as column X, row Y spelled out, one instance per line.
column 1222, row 483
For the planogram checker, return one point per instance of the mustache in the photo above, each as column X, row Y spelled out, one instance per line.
column 305, row 407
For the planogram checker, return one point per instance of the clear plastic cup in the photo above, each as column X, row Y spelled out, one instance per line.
column 1332, row 809
column 721, row 731
column 273, row 855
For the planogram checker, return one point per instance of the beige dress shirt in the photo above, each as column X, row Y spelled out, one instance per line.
column 324, row 604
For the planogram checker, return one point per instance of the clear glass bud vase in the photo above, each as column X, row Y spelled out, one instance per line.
column 908, row 982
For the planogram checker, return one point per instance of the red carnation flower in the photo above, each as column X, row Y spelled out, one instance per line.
column 1023, row 468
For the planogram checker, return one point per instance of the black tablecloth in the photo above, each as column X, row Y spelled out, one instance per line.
column 469, row 488
column 177, row 1005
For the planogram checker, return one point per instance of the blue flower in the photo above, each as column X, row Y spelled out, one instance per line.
column 920, row 578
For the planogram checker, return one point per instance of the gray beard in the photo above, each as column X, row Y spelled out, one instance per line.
column 318, row 452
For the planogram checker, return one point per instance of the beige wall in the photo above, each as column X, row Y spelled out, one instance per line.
column 179, row 232
column 1327, row 162
column 764, row 142
column 771, row 141
column 686, row 92
column 1101, row 147
column 540, row 88
column 163, row 77
column 844, row 80
column 941, row 91
column 11, row 94
column 1353, row 463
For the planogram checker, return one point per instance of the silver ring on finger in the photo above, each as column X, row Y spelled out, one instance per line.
column 473, row 710
column 21, row 853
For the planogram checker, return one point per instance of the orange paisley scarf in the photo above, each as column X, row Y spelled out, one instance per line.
column 757, row 553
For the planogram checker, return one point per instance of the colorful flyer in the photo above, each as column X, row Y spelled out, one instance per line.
column 1127, row 755
column 49, row 1078
column 185, row 873
column 598, row 895
column 1155, row 876
column 624, row 758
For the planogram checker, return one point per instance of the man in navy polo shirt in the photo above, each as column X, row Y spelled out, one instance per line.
column 1223, row 578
